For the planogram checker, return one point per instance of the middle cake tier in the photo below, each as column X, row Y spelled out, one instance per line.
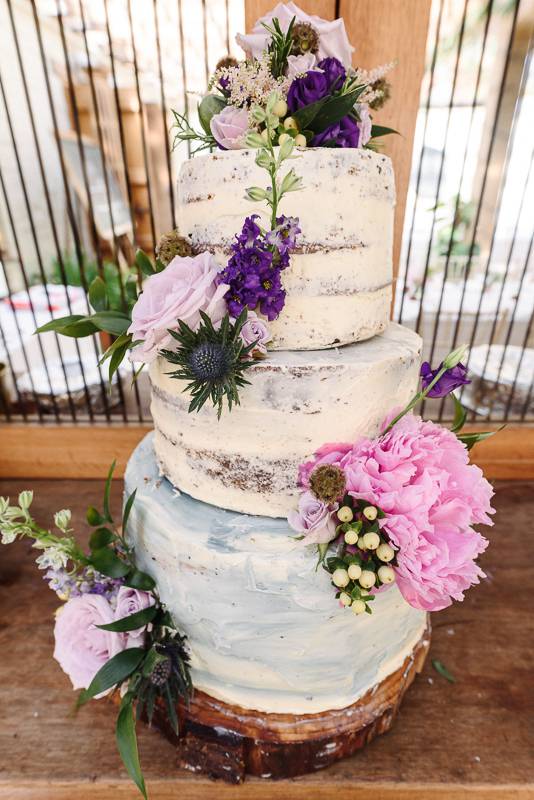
column 296, row 402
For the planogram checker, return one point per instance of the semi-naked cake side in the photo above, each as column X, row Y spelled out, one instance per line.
column 338, row 288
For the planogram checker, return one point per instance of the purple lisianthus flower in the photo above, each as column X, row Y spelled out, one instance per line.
column 308, row 89
column 344, row 133
column 335, row 72
column 449, row 381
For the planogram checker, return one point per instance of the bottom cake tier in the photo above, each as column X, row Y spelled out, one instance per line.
column 263, row 625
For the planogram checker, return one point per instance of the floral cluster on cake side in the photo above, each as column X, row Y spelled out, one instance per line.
column 399, row 508
column 209, row 321
column 112, row 634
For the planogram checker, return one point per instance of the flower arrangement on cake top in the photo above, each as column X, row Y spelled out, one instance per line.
column 211, row 321
column 324, row 101
column 400, row 507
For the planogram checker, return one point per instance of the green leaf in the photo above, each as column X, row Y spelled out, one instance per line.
column 94, row 517
column 107, row 492
column 334, row 109
column 101, row 538
column 114, row 672
column 334, row 563
column 60, row 323
column 112, row 279
column 114, row 322
column 127, row 508
column 460, row 415
column 140, row 580
column 210, row 105
column 127, row 743
column 144, row 263
column 443, row 671
column 74, row 325
column 132, row 622
column 381, row 130
column 98, row 294
column 116, row 360
column 471, row 439
column 108, row 562
column 305, row 116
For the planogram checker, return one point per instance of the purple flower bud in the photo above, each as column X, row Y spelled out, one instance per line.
column 449, row 381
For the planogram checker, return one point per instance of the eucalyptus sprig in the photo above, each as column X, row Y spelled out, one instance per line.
column 270, row 161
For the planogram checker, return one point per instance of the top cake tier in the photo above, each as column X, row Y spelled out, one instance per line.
column 339, row 282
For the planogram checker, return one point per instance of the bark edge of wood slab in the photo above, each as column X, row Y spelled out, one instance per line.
column 229, row 742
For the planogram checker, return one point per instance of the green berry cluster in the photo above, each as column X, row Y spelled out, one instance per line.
column 364, row 558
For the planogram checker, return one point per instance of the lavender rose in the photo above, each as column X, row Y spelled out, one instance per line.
column 130, row 601
column 183, row 289
column 314, row 519
column 344, row 133
column 229, row 127
column 450, row 380
column 307, row 89
column 256, row 330
column 333, row 39
column 81, row 648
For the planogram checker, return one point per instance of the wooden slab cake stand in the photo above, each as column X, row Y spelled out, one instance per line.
column 229, row 742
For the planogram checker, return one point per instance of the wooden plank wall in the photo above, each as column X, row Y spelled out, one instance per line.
column 390, row 30
column 77, row 451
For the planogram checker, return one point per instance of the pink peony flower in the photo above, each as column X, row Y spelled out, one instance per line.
column 130, row 601
column 419, row 474
column 229, row 127
column 255, row 329
column 81, row 649
column 185, row 287
column 333, row 39
column 314, row 519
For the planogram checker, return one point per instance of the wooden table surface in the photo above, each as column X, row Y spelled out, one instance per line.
column 471, row 739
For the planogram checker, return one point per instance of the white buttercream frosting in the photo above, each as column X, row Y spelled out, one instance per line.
column 296, row 402
column 263, row 626
column 339, row 282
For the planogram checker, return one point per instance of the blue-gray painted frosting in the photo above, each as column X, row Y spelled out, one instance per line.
column 263, row 625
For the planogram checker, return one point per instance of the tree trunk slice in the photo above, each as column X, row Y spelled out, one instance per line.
column 229, row 742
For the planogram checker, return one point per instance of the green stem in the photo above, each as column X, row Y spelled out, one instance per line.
column 272, row 173
column 39, row 534
column 415, row 399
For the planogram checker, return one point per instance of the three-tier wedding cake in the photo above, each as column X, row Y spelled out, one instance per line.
column 290, row 522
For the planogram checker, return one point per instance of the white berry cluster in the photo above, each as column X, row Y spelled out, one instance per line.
column 365, row 558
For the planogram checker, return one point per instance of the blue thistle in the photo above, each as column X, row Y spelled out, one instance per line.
column 212, row 361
